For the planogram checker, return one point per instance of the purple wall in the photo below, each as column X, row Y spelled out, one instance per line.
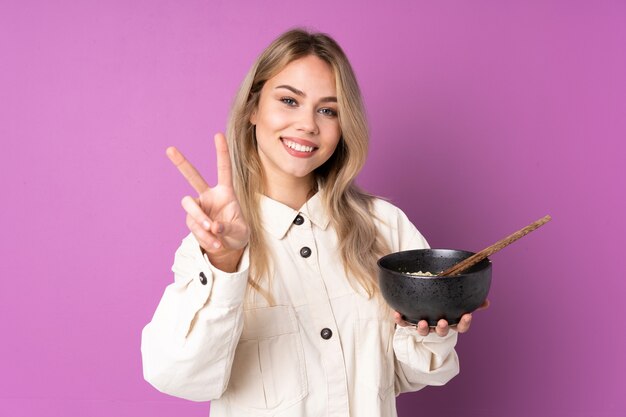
column 485, row 116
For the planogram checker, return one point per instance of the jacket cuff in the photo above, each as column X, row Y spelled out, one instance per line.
column 408, row 343
column 204, row 285
column 228, row 288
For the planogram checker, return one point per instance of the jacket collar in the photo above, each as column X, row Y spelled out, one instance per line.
column 277, row 218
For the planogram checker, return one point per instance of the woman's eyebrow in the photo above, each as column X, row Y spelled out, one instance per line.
column 302, row 94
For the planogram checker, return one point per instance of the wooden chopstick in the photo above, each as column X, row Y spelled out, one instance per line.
column 479, row 256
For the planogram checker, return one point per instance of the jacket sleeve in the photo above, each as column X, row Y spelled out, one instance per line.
column 420, row 360
column 423, row 360
column 188, row 347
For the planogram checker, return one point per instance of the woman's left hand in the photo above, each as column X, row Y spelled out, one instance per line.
column 442, row 327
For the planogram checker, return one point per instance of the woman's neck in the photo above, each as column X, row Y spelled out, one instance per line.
column 292, row 192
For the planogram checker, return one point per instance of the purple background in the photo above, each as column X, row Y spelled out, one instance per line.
column 485, row 116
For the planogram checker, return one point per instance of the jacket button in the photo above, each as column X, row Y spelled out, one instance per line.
column 305, row 252
column 326, row 333
column 203, row 279
column 298, row 220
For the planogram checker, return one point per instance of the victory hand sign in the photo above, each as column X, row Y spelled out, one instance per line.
column 214, row 217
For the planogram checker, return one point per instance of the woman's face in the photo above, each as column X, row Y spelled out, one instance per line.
column 297, row 127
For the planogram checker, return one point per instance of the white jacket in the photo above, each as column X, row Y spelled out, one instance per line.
column 323, row 349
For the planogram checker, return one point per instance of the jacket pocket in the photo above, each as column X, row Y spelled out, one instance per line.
column 269, row 371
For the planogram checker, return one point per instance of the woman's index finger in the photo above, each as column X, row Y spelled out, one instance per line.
column 190, row 173
column 224, row 169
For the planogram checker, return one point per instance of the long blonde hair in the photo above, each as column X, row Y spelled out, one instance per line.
column 349, row 208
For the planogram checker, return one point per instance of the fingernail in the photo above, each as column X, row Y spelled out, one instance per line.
column 206, row 224
column 216, row 244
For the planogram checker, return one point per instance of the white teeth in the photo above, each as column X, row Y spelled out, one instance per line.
column 298, row 147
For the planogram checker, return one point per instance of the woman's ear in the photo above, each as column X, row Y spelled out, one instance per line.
column 253, row 117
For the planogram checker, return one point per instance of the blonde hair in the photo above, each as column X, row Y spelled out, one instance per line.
column 349, row 208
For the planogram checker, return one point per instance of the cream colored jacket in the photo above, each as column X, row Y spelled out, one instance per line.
column 323, row 349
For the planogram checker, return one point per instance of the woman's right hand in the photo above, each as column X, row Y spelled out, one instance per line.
column 214, row 217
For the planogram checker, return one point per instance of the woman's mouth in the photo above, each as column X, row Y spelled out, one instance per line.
column 301, row 148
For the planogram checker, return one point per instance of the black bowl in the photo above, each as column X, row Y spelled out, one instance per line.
column 432, row 298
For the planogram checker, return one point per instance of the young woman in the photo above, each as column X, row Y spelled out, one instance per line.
column 275, row 309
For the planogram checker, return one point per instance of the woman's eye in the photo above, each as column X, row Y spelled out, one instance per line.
column 288, row 101
column 328, row 112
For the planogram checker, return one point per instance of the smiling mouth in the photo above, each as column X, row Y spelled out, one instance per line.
column 298, row 147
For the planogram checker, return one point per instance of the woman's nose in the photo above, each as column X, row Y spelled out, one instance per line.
column 307, row 122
